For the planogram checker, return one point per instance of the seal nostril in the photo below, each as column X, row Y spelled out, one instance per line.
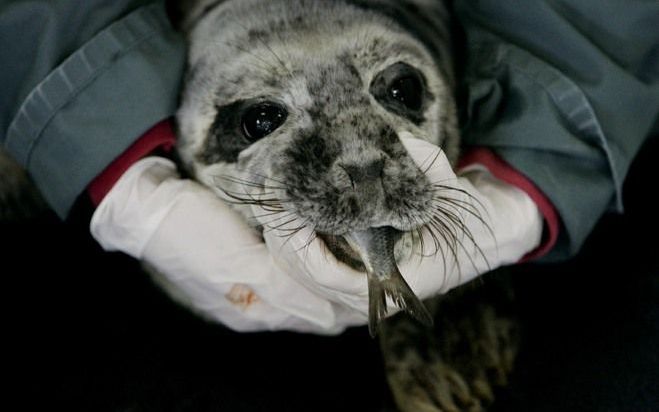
column 345, row 169
column 374, row 169
column 362, row 174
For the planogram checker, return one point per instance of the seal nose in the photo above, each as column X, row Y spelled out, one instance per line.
column 361, row 199
column 364, row 174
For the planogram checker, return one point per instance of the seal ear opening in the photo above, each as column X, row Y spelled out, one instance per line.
column 183, row 14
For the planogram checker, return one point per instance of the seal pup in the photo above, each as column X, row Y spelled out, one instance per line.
column 305, row 100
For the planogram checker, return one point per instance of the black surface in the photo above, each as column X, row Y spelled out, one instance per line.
column 86, row 330
column 89, row 332
column 591, row 338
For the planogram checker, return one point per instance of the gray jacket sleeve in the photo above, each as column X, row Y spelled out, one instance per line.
column 79, row 82
column 566, row 92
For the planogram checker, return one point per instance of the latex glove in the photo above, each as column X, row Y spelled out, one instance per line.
column 502, row 221
column 205, row 255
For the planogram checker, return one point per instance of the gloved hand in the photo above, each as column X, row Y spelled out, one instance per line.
column 499, row 224
column 208, row 258
column 205, row 255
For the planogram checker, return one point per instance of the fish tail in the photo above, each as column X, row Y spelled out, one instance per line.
column 402, row 296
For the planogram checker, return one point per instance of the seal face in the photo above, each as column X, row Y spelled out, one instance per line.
column 305, row 100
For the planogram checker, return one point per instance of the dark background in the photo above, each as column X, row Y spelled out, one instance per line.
column 86, row 330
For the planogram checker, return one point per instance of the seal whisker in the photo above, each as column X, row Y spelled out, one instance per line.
column 270, row 222
column 250, row 183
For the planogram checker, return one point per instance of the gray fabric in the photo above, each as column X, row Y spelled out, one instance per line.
column 37, row 36
column 566, row 92
column 91, row 90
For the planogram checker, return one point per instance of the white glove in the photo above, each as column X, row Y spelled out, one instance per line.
column 205, row 255
column 208, row 258
column 503, row 222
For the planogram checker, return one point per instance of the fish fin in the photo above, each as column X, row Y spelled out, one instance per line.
column 402, row 296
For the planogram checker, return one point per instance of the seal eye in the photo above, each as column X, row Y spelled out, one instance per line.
column 402, row 90
column 262, row 119
column 407, row 90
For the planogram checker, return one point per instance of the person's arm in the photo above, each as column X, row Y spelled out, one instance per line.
column 566, row 93
column 81, row 81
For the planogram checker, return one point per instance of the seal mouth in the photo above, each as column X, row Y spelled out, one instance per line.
column 342, row 251
column 372, row 251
